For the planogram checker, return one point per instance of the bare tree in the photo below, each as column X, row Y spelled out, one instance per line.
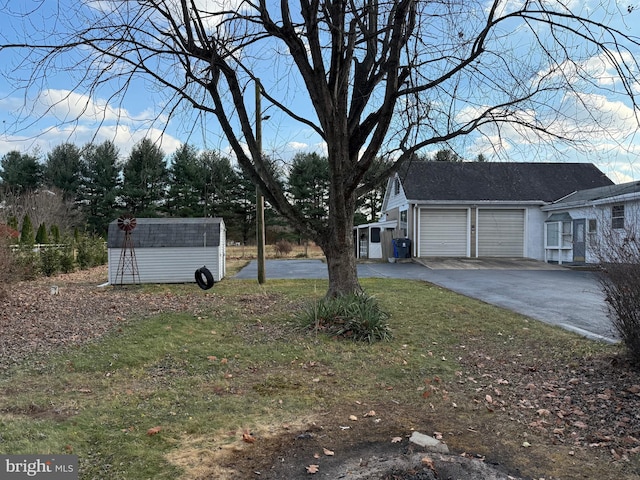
column 383, row 78
column 46, row 206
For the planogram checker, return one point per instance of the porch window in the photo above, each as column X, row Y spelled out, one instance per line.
column 592, row 229
column 617, row 216
column 553, row 234
column 558, row 231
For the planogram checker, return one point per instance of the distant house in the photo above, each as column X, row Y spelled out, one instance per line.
column 167, row 250
column 473, row 209
column 584, row 226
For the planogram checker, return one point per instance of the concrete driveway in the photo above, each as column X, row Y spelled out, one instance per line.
column 553, row 294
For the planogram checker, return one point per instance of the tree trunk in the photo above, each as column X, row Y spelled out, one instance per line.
column 337, row 242
column 341, row 265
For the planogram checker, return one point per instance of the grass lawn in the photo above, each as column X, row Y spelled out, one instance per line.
column 236, row 367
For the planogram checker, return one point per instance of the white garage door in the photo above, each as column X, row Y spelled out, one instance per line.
column 500, row 233
column 443, row 233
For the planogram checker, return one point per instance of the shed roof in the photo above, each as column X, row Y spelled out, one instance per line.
column 601, row 193
column 498, row 181
column 169, row 232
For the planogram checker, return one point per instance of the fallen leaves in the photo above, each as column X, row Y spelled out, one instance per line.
column 248, row 438
column 154, row 431
column 588, row 404
column 313, row 468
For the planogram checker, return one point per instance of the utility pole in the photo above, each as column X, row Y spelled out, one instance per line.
column 259, row 197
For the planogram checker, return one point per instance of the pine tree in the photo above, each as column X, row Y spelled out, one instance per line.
column 27, row 236
column 54, row 233
column 42, row 237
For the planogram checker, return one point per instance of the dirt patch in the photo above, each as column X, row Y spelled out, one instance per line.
column 377, row 457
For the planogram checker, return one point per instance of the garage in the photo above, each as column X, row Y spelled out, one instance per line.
column 444, row 233
column 501, row 232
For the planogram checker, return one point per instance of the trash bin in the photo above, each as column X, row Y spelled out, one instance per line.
column 402, row 247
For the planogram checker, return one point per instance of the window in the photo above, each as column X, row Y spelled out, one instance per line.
column 403, row 223
column 592, row 230
column 617, row 216
column 375, row 235
column 396, row 187
column 567, row 234
column 559, row 234
column 553, row 234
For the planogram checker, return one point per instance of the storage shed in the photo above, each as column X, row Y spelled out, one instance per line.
column 169, row 250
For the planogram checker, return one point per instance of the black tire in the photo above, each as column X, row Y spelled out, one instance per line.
column 204, row 278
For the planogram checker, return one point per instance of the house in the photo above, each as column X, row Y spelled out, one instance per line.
column 586, row 226
column 474, row 209
column 166, row 250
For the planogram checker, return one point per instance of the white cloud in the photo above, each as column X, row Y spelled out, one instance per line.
column 60, row 116
column 297, row 146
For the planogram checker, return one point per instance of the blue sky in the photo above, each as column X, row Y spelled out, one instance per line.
column 50, row 115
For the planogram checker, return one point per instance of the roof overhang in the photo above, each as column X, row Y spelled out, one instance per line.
column 478, row 203
column 386, row 224
column 559, row 217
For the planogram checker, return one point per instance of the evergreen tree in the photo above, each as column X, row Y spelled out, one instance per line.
column 63, row 170
column 145, row 179
column 27, row 236
column 219, row 186
column 20, row 172
column 42, row 237
column 447, row 155
column 244, row 210
column 54, row 233
column 187, row 179
column 309, row 185
column 12, row 222
column 101, row 185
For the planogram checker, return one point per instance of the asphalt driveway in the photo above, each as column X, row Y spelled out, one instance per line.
column 553, row 294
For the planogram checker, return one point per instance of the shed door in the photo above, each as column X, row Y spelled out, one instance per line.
column 501, row 233
column 444, row 233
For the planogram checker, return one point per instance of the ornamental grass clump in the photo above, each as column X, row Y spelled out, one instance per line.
column 356, row 316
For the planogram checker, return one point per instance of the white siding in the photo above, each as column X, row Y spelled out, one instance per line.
column 394, row 200
column 534, row 231
column 169, row 264
column 444, row 232
column 500, row 232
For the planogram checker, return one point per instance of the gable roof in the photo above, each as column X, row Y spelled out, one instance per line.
column 609, row 192
column 497, row 181
column 169, row 232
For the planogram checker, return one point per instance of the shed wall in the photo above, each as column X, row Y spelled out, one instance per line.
column 169, row 264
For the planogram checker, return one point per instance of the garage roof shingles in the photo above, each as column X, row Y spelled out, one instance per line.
column 498, row 181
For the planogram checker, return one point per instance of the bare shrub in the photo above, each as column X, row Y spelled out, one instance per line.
column 283, row 248
column 619, row 254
